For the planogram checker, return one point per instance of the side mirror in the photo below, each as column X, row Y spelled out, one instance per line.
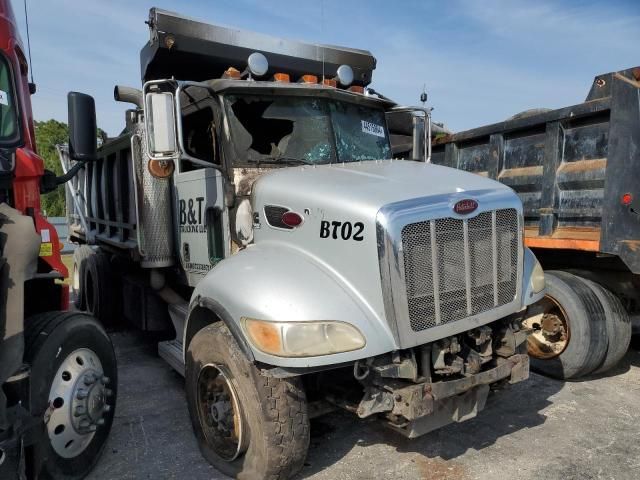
column 82, row 126
column 160, row 125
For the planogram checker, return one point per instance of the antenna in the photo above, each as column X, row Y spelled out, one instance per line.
column 26, row 19
column 423, row 95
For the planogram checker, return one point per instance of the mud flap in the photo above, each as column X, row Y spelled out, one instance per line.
column 448, row 410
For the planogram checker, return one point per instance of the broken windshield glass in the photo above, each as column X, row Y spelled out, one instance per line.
column 360, row 132
column 301, row 130
column 270, row 128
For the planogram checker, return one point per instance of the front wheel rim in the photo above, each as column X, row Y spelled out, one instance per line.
column 550, row 329
column 77, row 403
column 219, row 413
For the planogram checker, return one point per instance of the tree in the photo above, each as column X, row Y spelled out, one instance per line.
column 49, row 134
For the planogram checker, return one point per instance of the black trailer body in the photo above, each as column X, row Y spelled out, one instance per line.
column 576, row 170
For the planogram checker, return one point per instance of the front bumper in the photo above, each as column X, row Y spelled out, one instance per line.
column 416, row 409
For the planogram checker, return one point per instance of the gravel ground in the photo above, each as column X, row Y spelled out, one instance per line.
column 539, row 429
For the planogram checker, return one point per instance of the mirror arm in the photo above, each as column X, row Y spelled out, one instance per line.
column 72, row 172
column 49, row 181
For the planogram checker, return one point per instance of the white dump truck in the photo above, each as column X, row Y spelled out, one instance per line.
column 252, row 211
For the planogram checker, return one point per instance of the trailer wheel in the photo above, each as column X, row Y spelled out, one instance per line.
column 569, row 336
column 618, row 325
column 73, row 389
column 247, row 425
column 102, row 293
column 80, row 256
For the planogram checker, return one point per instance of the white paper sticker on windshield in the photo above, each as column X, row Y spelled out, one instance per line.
column 4, row 98
column 372, row 129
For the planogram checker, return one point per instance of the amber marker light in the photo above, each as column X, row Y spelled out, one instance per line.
column 281, row 77
column 264, row 335
column 160, row 168
column 232, row 73
column 308, row 79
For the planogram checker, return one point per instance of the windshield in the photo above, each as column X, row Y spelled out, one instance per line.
column 9, row 133
column 292, row 130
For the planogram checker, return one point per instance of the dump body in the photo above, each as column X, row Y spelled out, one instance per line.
column 187, row 49
column 575, row 169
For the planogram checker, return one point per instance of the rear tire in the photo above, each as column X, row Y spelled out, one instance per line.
column 102, row 294
column 80, row 256
column 618, row 325
column 54, row 341
column 268, row 425
column 573, row 312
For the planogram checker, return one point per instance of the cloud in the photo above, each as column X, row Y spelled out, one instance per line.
column 505, row 57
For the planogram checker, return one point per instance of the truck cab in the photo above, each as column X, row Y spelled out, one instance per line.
column 253, row 209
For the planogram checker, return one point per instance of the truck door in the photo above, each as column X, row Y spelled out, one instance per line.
column 201, row 218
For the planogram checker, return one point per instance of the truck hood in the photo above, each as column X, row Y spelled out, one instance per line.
column 344, row 209
column 365, row 186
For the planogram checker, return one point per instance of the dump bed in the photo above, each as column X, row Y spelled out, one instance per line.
column 576, row 169
column 188, row 49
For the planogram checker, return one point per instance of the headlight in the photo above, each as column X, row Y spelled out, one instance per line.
column 302, row 339
column 537, row 278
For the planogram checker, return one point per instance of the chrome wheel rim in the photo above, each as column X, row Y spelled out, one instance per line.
column 77, row 403
column 550, row 329
column 219, row 413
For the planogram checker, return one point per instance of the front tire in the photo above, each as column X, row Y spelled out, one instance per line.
column 248, row 425
column 73, row 388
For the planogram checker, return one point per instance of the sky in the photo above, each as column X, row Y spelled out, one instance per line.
column 481, row 61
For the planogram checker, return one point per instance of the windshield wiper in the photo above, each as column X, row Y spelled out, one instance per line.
column 282, row 160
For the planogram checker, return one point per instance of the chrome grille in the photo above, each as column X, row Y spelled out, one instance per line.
column 458, row 268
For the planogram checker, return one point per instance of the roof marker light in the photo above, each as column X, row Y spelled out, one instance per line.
column 281, row 77
column 330, row 82
column 356, row 89
column 308, row 79
column 232, row 73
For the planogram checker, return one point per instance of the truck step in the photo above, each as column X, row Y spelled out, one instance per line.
column 171, row 352
column 178, row 313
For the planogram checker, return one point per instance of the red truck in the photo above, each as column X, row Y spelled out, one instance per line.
column 57, row 367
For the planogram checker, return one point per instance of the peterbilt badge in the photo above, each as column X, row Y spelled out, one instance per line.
column 465, row 206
